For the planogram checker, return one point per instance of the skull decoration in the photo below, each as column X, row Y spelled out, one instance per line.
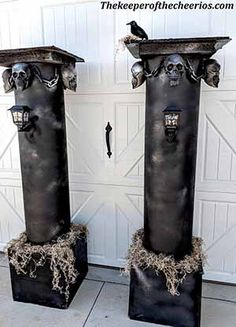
column 69, row 77
column 138, row 74
column 21, row 76
column 7, row 80
column 212, row 73
column 174, row 68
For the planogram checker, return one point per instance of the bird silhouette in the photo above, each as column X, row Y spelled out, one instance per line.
column 137, row 30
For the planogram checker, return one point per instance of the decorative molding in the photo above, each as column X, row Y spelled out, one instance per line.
column 175, row 66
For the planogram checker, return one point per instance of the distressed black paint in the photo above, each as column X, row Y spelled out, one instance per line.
column 175, row 68
column 150, row 300
column 170, row 166
column 39, row 290
column 43, row 156
column 38, row 77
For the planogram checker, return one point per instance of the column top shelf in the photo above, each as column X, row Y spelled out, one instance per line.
column 206, row 46
column 44, row 54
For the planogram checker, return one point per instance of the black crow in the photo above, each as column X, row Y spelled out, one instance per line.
column 137, row 30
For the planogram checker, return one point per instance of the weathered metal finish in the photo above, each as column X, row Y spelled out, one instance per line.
column 202, row 46
column 44, row 160
column 150, row 301
column 170, row 166
column 173, row 69
column 51, row 55
column 38, row 77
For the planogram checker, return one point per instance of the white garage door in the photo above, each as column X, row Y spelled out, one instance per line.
column 107, row 194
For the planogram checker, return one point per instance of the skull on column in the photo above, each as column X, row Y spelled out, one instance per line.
column 21, row 76
column 69, row 77
column 174, row 68
column 7, row 81
column 137, row 71
column 212, row 72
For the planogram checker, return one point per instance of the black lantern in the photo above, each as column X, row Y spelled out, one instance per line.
column 171, row 122
column 21, row 117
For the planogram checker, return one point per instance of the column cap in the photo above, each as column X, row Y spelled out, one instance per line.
column 205, row 46
column 44, row 54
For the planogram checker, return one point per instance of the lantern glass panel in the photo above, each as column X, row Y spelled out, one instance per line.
column 20, row 116
column 26, row 117
column 171, row 119
column 17, row 116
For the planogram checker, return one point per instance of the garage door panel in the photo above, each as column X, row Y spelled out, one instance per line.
column 217, row 144
column 112, row 214
column 215, row 222
column 215, row 215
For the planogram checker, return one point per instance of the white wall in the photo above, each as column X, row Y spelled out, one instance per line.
column 107, row 194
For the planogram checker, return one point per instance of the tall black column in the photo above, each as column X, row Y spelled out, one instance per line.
column 172, row 69
column 43, row 156
column 170, row 165
column 38, row 77
column 54, row 251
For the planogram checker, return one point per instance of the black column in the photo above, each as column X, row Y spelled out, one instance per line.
column 173, row 69
column 38, row 77
column 43, row 156
column 170, row 166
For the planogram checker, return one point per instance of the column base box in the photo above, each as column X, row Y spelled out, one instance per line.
column 39, row 290
column 150, row 300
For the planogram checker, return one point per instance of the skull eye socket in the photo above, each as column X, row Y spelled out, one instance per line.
column 22, row 74
column 214, row 71
column 14, row 75
column 170, row 66
column 179, row 66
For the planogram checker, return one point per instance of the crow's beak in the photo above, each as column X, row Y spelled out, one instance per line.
column 128, row 24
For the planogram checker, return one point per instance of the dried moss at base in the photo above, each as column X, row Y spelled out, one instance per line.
column 174, row 271
column 27, row 257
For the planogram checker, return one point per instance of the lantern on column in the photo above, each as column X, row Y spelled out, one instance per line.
column 171, row 122
column 21, row 117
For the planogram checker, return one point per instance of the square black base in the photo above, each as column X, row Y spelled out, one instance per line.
column 150, row 300
column 39, row 290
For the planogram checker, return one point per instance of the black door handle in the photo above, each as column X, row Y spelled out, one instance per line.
column 108, row 130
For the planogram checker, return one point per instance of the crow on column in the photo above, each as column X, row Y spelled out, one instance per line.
column 137, row 30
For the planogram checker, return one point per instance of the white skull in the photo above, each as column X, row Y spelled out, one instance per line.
column 212, row 73
column 69, row 77
column 21, row 75
column 7, row 81
column 138, row 74
column 174, row 68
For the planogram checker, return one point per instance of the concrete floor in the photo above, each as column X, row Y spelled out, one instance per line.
column 102, row 301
